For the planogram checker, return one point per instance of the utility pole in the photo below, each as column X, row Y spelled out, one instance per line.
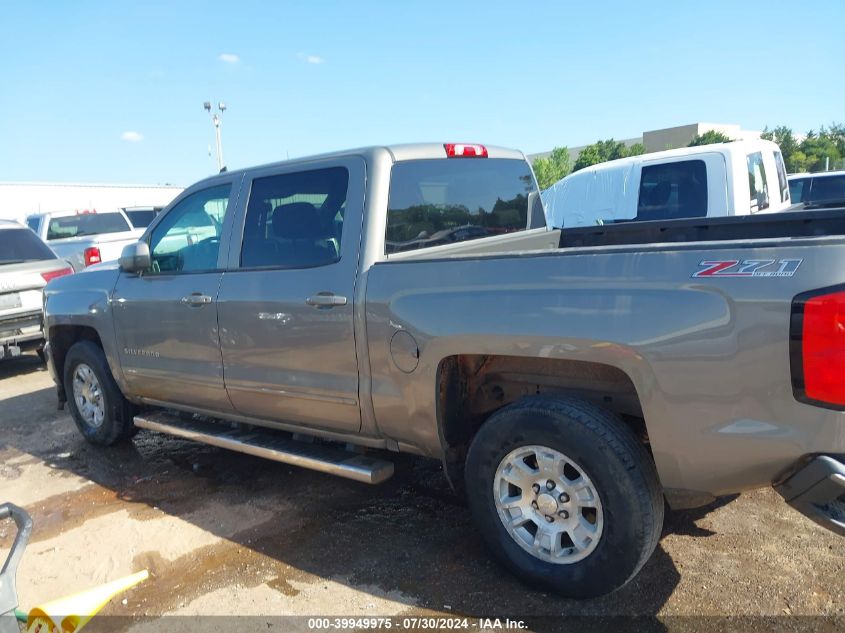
column 217, row 120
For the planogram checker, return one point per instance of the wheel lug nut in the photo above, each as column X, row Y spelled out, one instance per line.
column 550, row 485
column 536, row 488
column 549, row 519
column 563, row 497
column 563, row 514
column 534, row 504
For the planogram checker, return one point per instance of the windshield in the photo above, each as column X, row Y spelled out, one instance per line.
column 86, row 224
column 435, row 202
column 22, row 245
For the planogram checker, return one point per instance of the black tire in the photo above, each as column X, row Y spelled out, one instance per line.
column 118, row 412
column 614, row 460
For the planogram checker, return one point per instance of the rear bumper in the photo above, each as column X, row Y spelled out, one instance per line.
column 20, row 330
column 817, row 490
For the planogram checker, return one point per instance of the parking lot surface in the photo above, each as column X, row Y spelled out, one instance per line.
column 228, row 534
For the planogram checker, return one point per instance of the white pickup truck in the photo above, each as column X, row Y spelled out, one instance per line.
column 718, row 180
column 85, row 238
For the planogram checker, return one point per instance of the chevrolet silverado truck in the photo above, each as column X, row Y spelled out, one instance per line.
column 569, row 381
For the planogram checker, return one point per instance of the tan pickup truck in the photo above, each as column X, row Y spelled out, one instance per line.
column 410, row 298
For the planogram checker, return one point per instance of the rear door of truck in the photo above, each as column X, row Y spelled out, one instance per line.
column 286, row 301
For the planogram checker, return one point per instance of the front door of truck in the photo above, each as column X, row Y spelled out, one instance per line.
column 286, row 304
column 166, row 318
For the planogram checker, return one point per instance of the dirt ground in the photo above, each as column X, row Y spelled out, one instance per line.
column 228, row 534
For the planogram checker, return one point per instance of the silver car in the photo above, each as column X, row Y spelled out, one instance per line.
column 26, row 265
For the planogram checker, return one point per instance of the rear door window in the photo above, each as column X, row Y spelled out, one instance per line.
column 444, row 201
column 86, row 224
column 758, row 188
column 295, row 220
column 670, row 191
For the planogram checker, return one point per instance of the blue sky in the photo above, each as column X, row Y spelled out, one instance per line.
column 113, row 91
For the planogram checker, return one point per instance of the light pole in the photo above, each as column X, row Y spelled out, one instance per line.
column 217, row 120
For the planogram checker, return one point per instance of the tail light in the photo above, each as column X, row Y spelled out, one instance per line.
column 91, row 256
column 817, row 347
column 465, row 150
column 57, row 273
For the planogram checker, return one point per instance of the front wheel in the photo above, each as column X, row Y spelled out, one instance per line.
column 564, row 495
column 99, row 409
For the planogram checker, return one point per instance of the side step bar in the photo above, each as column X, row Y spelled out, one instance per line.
column 269, row 444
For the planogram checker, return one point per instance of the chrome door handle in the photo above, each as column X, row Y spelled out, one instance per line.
column 196, row 299
column 326, row 300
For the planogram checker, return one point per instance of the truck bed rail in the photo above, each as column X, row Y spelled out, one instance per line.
column 761, row 226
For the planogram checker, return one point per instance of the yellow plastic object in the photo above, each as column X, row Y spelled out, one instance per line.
column 71, row 613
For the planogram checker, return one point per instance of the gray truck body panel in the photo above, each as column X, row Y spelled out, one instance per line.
column 708, row 358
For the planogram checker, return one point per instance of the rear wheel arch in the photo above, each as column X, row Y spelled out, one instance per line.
column 473, row 387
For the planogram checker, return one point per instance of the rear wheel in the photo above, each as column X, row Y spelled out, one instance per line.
column 99, row 409
column 565, row 495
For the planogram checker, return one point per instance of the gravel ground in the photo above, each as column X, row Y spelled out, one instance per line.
column 223, row 533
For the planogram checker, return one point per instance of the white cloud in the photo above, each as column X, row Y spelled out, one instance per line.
column 311, row 59
column 229, row 58
column 132, row 137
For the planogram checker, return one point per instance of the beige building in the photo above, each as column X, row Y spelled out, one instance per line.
column 670, row 138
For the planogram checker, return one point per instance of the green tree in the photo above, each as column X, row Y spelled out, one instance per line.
column 611, row 150
column 549, row 170
column 822, row 150
column 797, row 162
column 794, row 159
column 600, row 152
column 836, row 132
column 709, row 137
column 637, row 149
column 590, row 155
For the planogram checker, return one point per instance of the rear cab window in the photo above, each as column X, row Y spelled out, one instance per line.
column 444, row 201
column 86, row 224
column 827, row 191
column 674, row 190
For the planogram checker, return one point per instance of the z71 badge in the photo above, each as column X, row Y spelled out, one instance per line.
column 749, row 268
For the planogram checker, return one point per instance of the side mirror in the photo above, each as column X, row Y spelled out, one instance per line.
column 135, row 258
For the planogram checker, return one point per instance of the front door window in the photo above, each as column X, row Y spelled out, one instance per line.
column 188, row 238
